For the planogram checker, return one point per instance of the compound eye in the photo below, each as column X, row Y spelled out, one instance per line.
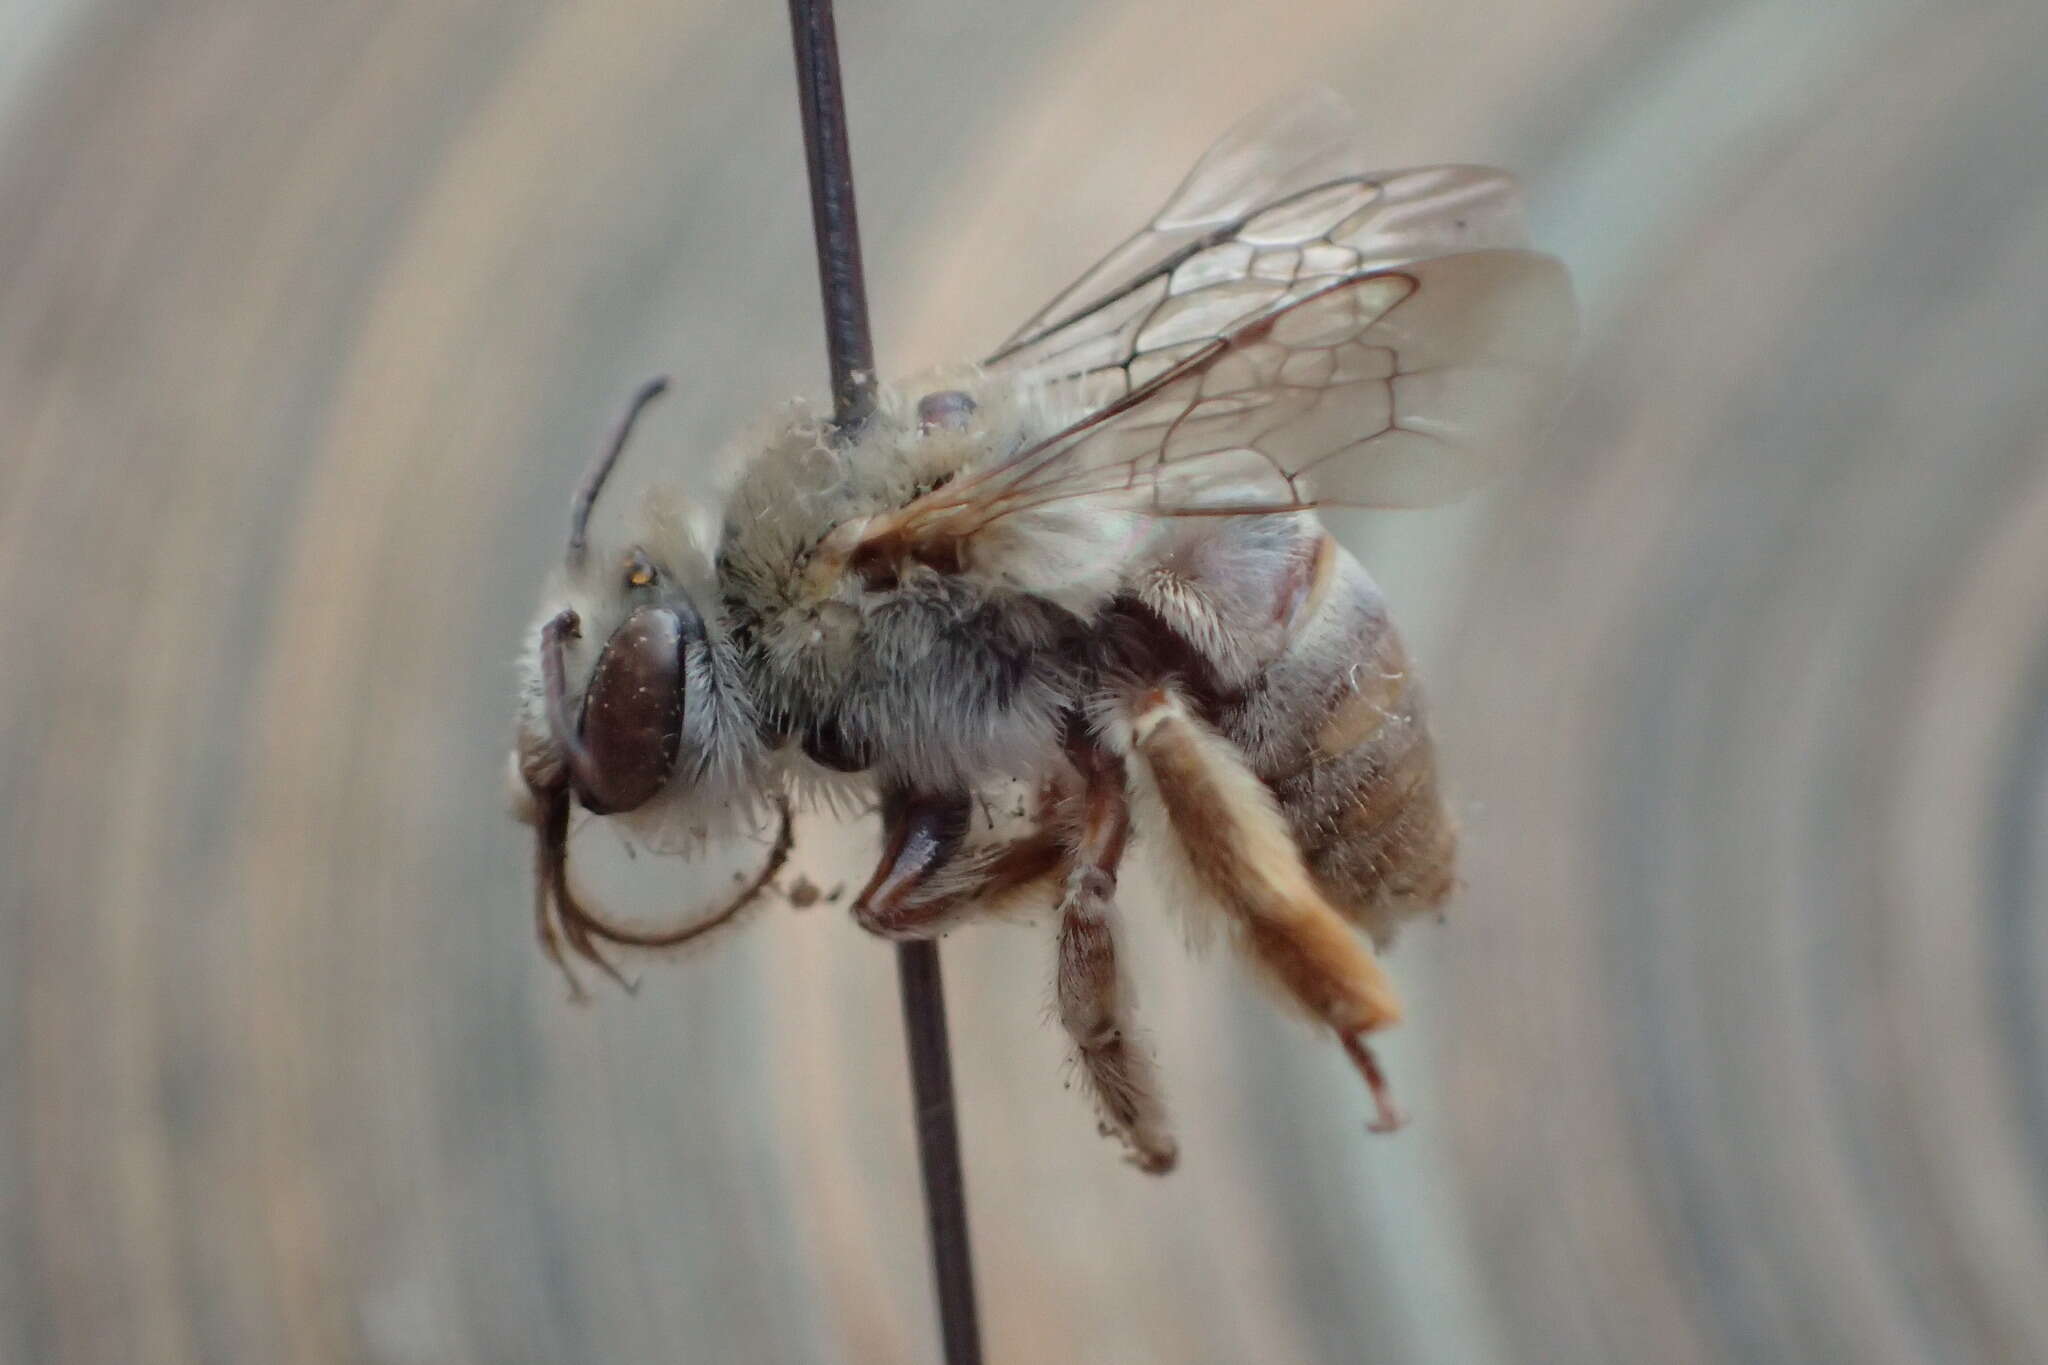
column 632, row 724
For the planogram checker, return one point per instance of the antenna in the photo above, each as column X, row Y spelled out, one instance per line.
column 601, row 469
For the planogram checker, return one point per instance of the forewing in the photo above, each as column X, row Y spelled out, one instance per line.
column 1275, row 212
column 1397, row 389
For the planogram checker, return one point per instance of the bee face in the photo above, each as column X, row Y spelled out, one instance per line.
column 615, row 746
column 619, row 743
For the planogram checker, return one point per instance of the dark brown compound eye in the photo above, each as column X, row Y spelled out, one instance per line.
column 623, row 747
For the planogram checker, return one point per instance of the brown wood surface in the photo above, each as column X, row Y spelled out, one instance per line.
column 1734, row 1049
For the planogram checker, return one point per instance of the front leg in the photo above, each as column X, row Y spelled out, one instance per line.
column 929, row 879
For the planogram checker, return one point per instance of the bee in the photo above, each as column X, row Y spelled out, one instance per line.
column 1085, row 581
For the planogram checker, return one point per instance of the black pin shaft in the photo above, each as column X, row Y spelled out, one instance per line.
column 938, row 1149
column 847, row 340
column 852, row 352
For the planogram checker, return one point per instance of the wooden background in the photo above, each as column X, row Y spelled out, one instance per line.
column 1735, row 1050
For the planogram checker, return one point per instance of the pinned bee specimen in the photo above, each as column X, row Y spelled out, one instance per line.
column 1087, row 579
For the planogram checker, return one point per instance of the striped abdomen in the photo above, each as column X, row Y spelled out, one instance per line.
column 1337, row 729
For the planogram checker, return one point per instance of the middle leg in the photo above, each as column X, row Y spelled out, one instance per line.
column 929, row 879
column 1093, row 995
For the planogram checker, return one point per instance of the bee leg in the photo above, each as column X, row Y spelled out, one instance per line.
column 551, row 870
column 926, row 882
column 561, row 917
column 1094, row 997
column 1238, row 846
column 544, row 927
column 1387, row 1116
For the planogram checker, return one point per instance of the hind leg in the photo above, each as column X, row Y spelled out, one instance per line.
column 1238, row 846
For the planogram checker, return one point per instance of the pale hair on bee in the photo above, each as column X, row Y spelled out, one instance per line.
column 1086, row 576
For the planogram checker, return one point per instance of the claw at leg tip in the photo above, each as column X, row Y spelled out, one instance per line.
column 1387, row 1116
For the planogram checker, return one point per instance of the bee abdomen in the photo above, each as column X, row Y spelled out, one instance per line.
column 1281, row 641
column 1359, row 783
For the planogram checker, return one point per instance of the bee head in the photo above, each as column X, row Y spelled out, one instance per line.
column 620, row 740
column 631, row 706
column 615, row 743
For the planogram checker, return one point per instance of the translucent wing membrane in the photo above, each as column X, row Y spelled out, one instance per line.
column 1287, row 333
column 1276, row 211
column 1397, row 389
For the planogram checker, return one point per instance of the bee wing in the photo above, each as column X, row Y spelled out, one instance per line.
column 1274, row 212
column 1401, row 388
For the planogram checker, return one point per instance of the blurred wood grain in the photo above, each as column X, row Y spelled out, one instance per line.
column 1734, row 1049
